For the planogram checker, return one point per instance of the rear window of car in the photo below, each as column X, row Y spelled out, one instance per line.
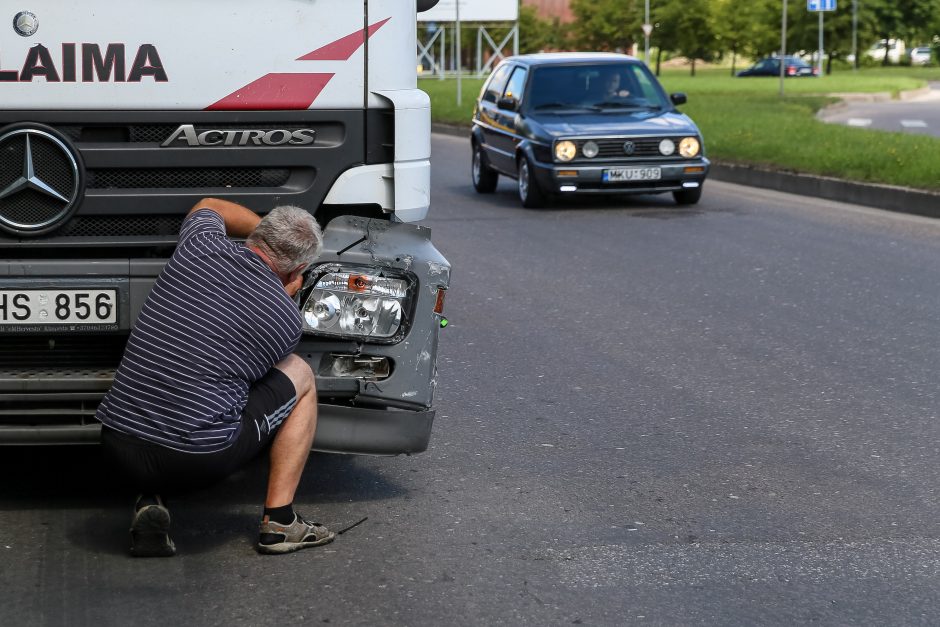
column 603, row 86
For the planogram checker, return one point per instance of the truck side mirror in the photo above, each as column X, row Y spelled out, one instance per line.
column 678, row 98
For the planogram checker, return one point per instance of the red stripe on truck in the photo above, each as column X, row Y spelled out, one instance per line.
column 275, row 91
column 342, row 49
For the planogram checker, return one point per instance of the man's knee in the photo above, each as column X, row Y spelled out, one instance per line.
column 300, row 374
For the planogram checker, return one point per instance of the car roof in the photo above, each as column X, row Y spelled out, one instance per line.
column 562, row 58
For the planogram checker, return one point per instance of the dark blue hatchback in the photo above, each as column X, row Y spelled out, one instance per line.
column 584, row 123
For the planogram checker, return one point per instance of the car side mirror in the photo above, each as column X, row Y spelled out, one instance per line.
column 508, row 103
column 678, row 98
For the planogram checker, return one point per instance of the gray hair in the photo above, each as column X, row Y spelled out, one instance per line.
column 289, row 236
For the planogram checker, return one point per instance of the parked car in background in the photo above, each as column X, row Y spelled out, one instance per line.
column 584, row 123
column 770, row 66
column 894, row 48
column 920, row 55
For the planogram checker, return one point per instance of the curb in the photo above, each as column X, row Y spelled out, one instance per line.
column 881, row 96
column 450, row 129
column 887, row 197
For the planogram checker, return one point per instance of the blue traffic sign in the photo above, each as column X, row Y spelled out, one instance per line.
column 820, row 5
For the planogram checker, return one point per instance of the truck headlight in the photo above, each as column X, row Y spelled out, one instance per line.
column 689, row 147
column 352, row 303
column 565, row 150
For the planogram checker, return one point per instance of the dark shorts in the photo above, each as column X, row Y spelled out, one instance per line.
column 155, row 468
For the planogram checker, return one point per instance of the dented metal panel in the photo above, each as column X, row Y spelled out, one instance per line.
column 383, row 245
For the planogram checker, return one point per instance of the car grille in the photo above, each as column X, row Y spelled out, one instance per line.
column 644, row 148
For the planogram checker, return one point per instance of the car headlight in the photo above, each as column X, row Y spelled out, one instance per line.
column 667, row 147
column 689, row 147
column 590, row 149
column 565, row 150
column 350, row 303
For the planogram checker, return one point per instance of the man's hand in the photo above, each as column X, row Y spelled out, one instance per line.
column 292, row 286
column 239, row 221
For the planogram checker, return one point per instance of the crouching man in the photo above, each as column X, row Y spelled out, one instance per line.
column 209, row 379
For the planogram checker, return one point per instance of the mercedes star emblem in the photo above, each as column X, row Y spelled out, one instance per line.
column 45, row 192
column 25, row 23
column 29, row 180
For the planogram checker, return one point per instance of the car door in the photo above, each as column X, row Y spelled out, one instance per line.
column 768, row 67
column 507, row 110
column 488, row 112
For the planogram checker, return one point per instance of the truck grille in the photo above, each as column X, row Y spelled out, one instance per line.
column 129, row 186
column 185, row 178
column 27, row 353
column 121, row 226
column 151, row 133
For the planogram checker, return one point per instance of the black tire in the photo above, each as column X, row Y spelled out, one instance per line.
column 688, row 196
column 484, row 178
column 530, row 194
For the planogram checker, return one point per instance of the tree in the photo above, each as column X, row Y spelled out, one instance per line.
column 607, row 24
column 537, row 34
column 748, row 28
column 689, row 28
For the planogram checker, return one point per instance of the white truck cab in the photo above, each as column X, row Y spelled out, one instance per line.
column 116, row 116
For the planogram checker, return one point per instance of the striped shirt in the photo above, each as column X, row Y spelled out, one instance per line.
column 216, row 320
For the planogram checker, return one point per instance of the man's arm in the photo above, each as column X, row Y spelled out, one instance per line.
column 239, row 221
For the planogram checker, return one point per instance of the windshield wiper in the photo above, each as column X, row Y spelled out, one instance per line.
column 561, row 105
column 626, row 105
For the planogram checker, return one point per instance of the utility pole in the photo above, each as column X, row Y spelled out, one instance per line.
column 646, row 34
column 783, row 46
column 457, row 20
column 819, row 73
column 855, row 34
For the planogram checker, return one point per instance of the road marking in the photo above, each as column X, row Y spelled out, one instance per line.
column 913, row 124
column 858, row 121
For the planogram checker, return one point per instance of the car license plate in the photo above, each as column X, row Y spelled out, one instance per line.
column 55, row 306
column 632, row 174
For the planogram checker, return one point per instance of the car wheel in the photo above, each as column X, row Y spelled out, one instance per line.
column 688, row 196
column 484, row 178
column 530, row 194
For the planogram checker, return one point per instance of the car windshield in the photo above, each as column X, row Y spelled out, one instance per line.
column 602, row 87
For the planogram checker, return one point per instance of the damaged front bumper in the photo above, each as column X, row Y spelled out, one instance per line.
column 50, row 385
column 376, row 393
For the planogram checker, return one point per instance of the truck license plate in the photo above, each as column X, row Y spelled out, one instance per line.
column 632, row 174
column 54, row 306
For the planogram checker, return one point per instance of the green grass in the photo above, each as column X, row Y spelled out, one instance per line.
column 762, row 130
column 443, row 94
column 745, row 121
column 721, row 81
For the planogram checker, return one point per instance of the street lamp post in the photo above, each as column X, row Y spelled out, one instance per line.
column 646, row 34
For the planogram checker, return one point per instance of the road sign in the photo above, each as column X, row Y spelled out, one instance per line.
column 820, row 5
column 647, row 29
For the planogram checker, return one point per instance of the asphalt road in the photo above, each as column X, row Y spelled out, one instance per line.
column 647, row 415
column 919, row 116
